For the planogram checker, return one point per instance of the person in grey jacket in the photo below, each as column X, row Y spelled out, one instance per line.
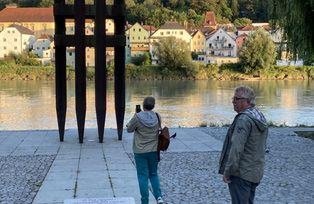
column 145, row 126
column 242, row 158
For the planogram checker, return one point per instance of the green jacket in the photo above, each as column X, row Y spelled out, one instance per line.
column 145, row 127
column 243, row 153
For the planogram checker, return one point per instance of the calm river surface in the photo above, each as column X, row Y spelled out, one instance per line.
column 31, row 104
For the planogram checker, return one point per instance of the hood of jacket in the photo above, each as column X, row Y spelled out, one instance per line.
column 258, row 117
column 147, row 118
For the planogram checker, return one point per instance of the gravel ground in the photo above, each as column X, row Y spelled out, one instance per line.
column 191, row 177
column 21, row 177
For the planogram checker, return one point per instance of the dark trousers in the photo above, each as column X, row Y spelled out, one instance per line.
column 242, row 191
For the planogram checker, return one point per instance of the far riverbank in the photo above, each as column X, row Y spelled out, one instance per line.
column 10, row 71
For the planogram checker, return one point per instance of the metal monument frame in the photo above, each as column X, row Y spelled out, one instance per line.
column 98, row 12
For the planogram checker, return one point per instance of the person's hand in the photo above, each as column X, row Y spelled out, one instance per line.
column 226, row 179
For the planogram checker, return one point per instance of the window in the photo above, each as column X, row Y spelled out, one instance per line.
column 217, row 37
column 138, row 37
column 4, row 47
column 133, row 29
column 229, row 45
column 15, row 40
column 4, row 39
column 15, row 48
column 181, row 32
column 161, row 33
column 139, row 29
column 13, row 31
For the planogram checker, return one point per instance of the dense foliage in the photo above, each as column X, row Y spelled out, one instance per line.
column 155, row 12
column 174, row 55
column 296, row 18
column 257, row 52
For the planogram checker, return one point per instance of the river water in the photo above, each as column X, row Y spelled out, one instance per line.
column 28, row 105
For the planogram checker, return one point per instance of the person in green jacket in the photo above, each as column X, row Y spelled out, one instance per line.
column 242, row 158
column 145, row 126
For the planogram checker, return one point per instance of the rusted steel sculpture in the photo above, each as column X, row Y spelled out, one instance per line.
column 98, row 12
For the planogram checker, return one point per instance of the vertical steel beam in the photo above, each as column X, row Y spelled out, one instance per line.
column 60, row 78
column 100, row 67
column 119, row 72
column 80, row 66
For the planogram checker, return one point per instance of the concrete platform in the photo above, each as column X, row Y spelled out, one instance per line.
column 92, row 170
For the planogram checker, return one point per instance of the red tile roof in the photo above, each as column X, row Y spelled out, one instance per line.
column 247, row 28
column 30, row 14
column 22, row 29
column 171, row 25
column 210, row 19
column 149, row 28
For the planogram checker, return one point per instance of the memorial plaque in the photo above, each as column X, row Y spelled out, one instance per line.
column 122, row 200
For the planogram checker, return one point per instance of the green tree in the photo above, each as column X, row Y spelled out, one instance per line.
column 143, row 59
column 174, row 54
column 46, row 3
column 296, row 19
column 234, row 6
column 240, row 22
column 28, row 3
column 258, row 52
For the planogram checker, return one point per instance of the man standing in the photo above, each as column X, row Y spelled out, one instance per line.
column 243, row 154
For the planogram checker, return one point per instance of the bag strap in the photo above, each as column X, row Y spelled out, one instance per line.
column 159, row 129
column 159, row 122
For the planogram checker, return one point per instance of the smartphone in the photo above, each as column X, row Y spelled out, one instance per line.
column 138, row 108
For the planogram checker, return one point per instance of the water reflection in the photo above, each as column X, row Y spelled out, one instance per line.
column 31, row 104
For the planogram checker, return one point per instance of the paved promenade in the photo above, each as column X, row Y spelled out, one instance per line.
column 36, row 168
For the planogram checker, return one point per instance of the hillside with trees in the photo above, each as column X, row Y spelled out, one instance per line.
column 191, row 12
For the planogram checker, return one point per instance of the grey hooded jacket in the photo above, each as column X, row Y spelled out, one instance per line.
column 145, row 127
column 243, row 153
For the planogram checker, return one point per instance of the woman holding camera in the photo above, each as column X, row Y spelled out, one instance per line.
column 145, row 126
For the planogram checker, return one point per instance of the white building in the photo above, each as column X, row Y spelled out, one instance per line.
column 220, row 45
column 15, row 39
column 169, row 29
column 42, row 44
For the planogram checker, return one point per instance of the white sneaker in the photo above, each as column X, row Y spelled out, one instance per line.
column 160, row 200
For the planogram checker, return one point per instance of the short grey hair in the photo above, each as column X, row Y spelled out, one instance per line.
column 246, row 92
column 149, row 103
